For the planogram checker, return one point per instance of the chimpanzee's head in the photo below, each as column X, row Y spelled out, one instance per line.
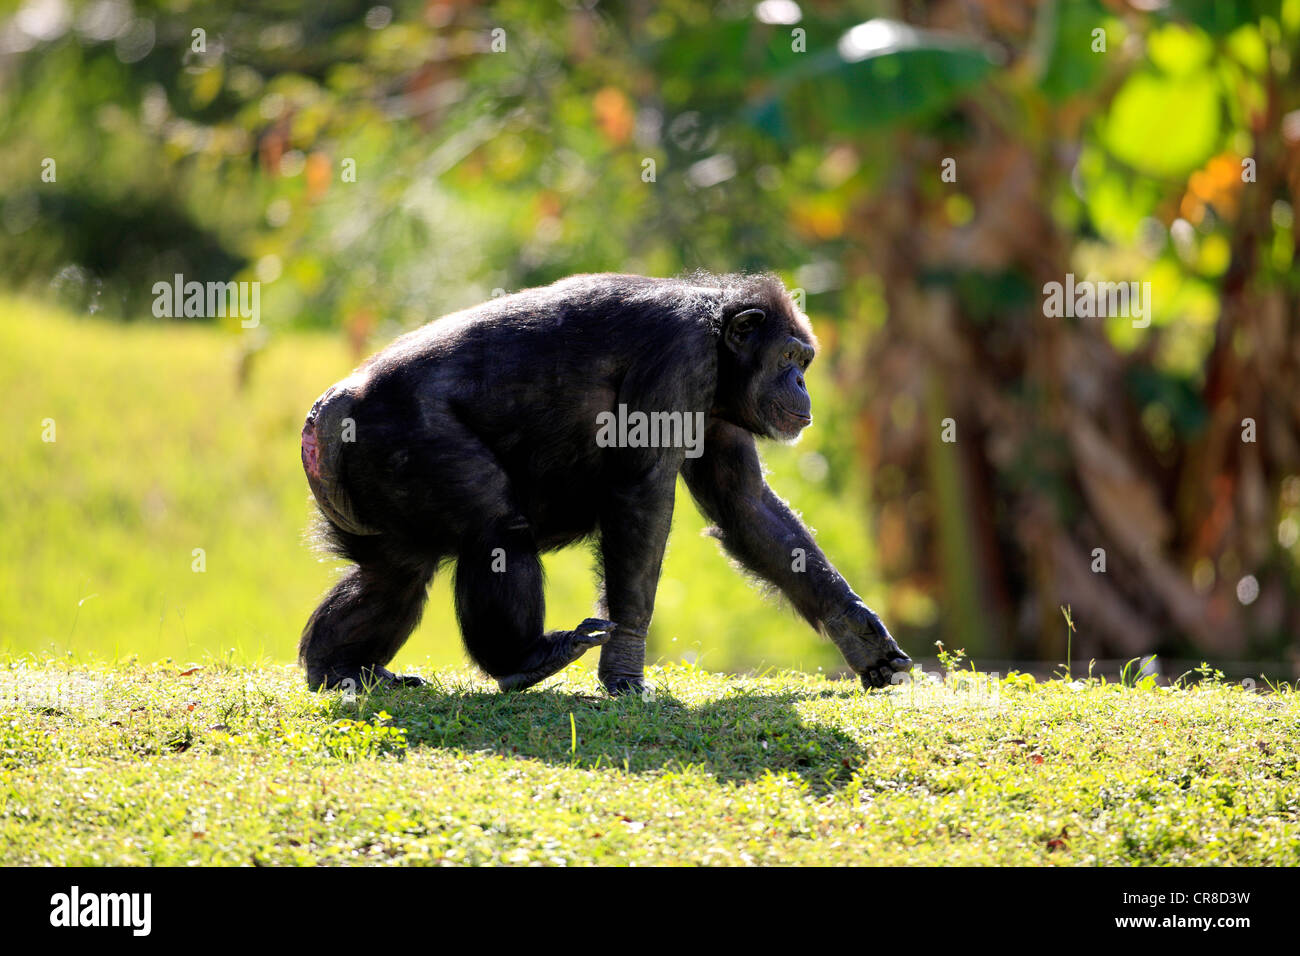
column 765, row 346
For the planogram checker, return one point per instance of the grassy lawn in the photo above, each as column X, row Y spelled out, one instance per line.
column 163, row 764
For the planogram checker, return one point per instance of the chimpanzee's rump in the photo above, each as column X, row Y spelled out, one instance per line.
column 322, row 452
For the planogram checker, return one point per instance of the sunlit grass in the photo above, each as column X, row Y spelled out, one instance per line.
column 165, row 764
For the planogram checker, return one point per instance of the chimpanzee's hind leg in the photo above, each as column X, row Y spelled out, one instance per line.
column 457, row 496
column 366, row 617
column 449, row 496
column 501, row 607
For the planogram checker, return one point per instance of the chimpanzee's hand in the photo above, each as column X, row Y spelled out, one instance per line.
column 867, row 645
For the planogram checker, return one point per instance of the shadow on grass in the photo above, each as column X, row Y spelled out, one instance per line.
column 736, row 738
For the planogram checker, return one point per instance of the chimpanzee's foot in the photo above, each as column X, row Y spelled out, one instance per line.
column 557, row 651
column 359, row 678
column 383, row 675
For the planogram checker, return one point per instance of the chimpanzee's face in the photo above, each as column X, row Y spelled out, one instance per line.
column 766, row 351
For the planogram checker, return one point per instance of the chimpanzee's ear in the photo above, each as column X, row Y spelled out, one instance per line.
column 741, row 326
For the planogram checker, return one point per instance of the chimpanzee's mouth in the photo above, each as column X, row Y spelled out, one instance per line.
column 799, row 417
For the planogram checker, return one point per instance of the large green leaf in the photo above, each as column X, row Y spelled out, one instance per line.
column 1164, row 125
column 881, row 72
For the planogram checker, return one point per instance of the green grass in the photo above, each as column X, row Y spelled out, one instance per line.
column 224, row 765
column 159, row 452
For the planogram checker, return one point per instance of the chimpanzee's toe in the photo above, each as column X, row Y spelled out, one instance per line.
column 380, row 676
column 593, row 632
column 359, row 678
column 408, row 680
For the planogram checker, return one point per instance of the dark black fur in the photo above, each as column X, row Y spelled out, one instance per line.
column 475, row 440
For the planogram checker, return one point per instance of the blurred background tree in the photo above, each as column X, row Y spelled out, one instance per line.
column 918, row 170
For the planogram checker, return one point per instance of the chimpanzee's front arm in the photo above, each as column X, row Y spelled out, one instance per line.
column 759, row 530
column 634, row 524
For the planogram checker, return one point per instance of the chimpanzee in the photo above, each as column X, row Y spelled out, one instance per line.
column 485, row 438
